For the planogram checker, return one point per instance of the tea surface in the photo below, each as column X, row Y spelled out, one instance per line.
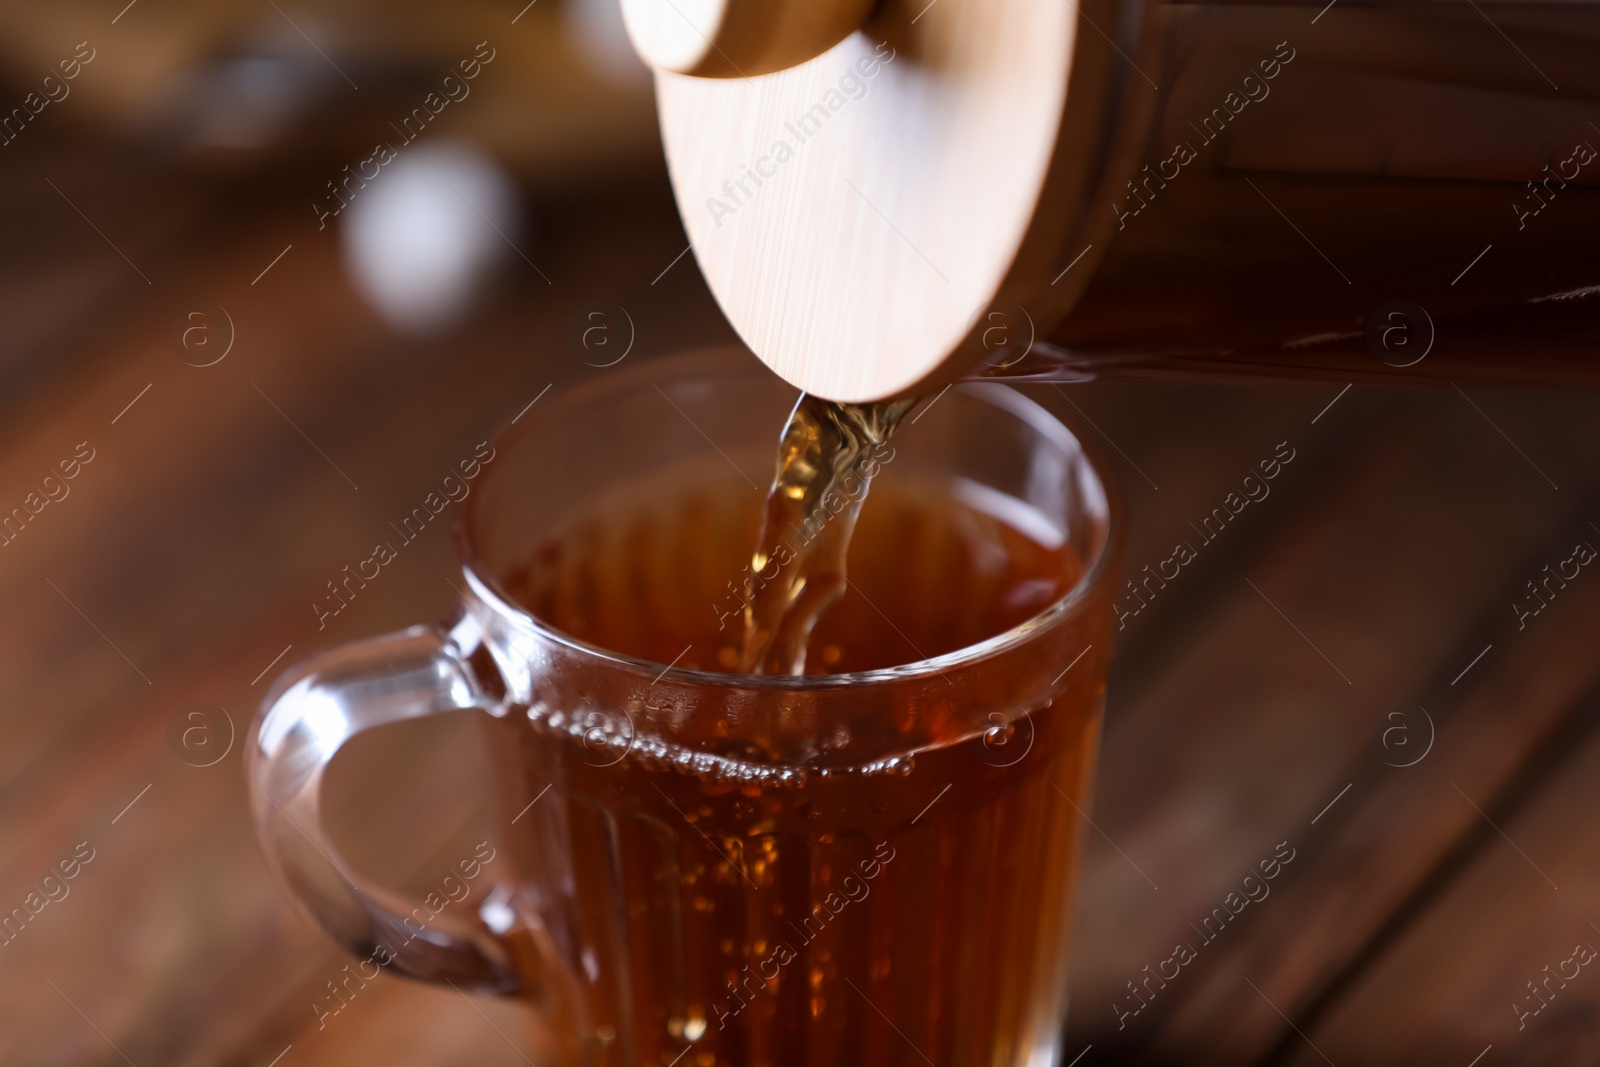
column 655, row 571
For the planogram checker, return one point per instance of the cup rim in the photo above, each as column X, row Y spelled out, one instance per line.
column 487, row 589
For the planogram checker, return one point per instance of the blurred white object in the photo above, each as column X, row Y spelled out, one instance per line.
column 422, row 238
column 600, row 37
column 244, row 103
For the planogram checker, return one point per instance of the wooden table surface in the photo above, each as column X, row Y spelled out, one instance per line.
column 1339, row 675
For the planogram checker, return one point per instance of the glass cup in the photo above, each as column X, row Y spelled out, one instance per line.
column 714, row 868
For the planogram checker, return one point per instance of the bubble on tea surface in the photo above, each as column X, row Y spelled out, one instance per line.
column 600, row 38
column 200, row 733
column 247, row 101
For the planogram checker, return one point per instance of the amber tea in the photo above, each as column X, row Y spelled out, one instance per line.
column 827, row 458
column 759, row 912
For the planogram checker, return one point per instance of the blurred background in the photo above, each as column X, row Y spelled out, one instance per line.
column 271, row 269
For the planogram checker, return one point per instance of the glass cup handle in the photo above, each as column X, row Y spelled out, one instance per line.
column 310, row 713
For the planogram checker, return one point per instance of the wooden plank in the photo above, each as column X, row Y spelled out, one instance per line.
column 1248, row 733
column 1385, row 850
column 1454, row 984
